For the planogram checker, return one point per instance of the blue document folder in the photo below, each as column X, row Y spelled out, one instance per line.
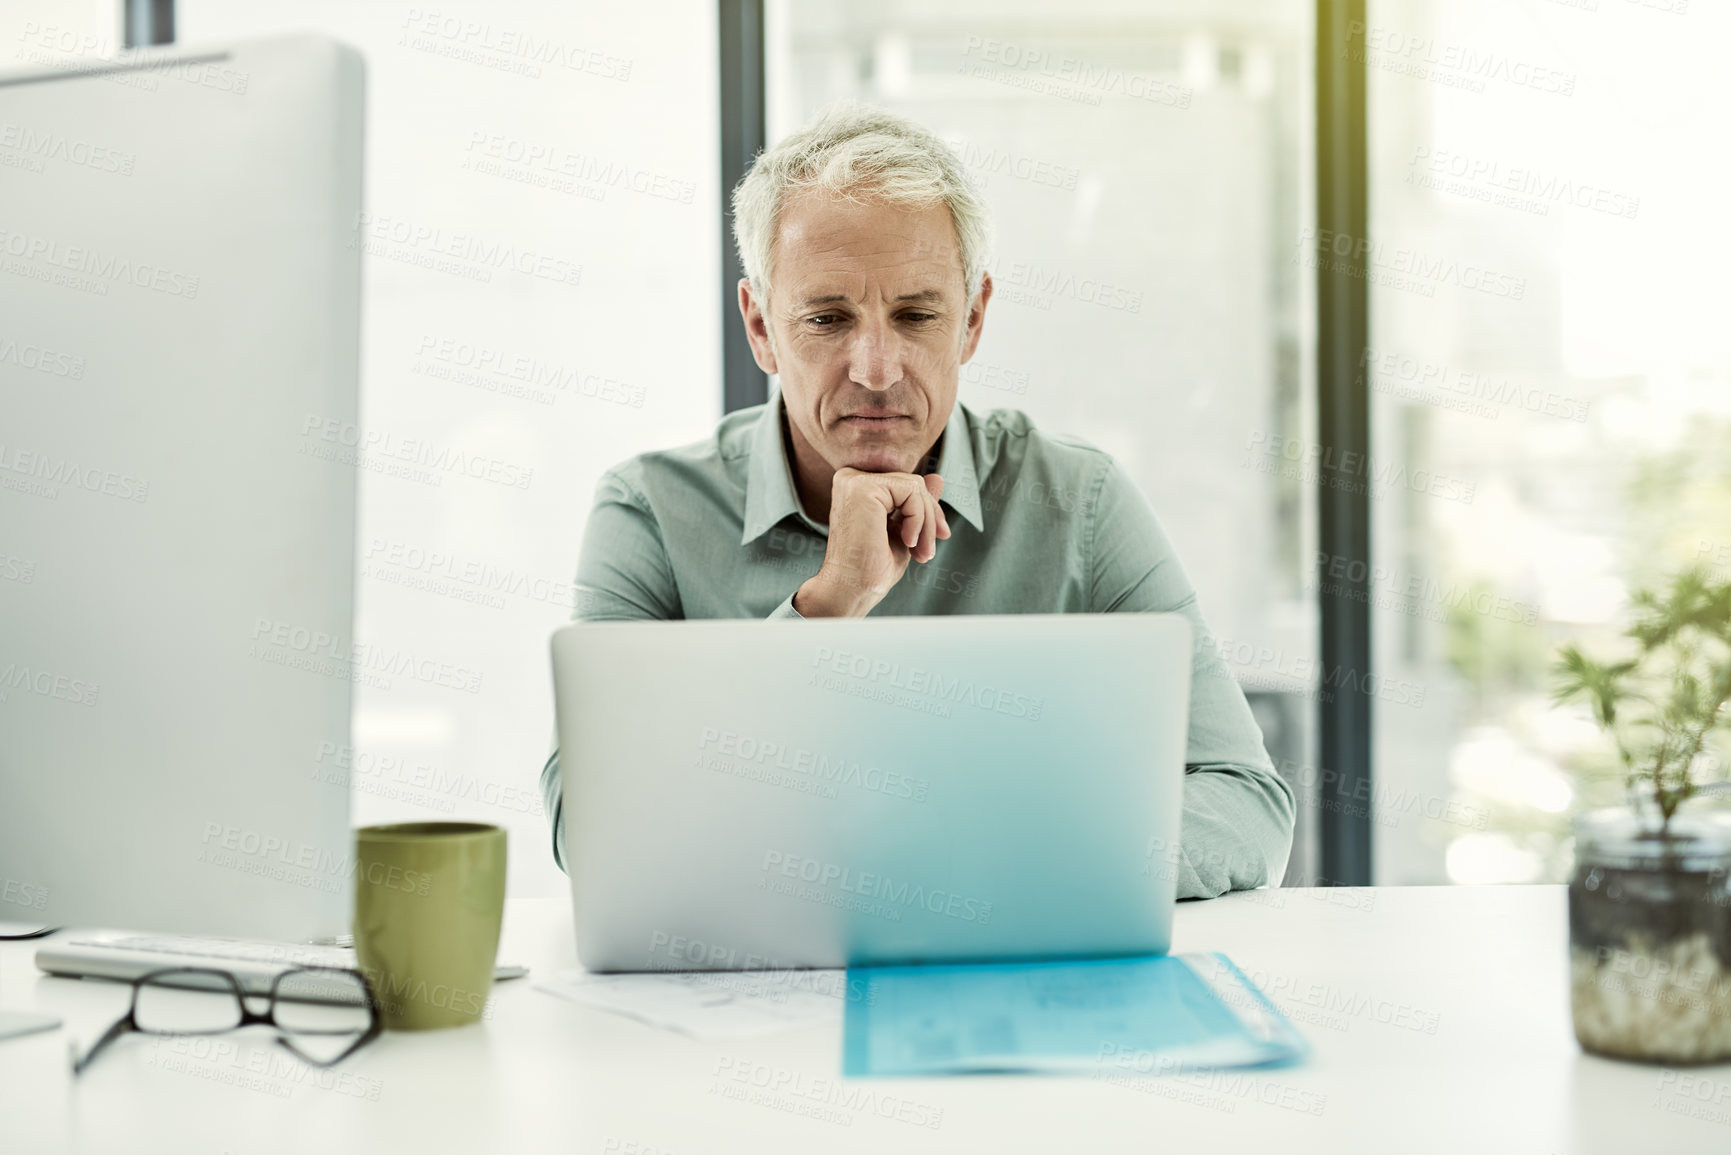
column 1146, row 1015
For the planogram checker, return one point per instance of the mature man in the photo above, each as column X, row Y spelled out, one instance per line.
column 865, row 292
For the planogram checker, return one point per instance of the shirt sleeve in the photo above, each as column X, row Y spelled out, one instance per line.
column 623, row 574
column 1236, row 832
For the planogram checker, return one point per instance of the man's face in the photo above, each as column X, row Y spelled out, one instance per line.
column 868, row 325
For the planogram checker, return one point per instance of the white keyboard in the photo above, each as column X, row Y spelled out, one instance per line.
column 254, row 962
column 233, row 949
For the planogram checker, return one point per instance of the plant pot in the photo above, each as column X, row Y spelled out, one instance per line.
column 1650, row 937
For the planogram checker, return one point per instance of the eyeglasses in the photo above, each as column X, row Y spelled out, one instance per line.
column 322, row 1014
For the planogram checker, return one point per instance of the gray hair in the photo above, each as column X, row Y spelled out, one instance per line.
column 861, row 153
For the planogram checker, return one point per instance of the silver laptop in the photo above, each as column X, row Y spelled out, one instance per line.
column 751, row 794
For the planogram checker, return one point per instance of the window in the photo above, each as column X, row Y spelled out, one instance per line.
column 1551, row 369
column 1146, row 167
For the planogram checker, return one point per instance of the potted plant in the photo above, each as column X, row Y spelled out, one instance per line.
column 1650, row 899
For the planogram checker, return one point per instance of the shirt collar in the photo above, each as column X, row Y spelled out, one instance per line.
column 770, row 495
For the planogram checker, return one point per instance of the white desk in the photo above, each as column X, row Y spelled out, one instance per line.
column 1439, row 1018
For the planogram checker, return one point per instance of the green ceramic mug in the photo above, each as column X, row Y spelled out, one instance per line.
column 429, row 897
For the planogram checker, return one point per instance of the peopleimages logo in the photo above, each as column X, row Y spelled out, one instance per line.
column 519, row 374
column 24, row 894
column 991, row 161
column 1455, row 65
column 1068, row 77
column 827, row 1100
column 46, row 472
column 725, row 751
column 42, row 360
column 559, row 161
column 1231, row 1086
column 17, row 569
column 44, row 145
column 104, row 267
column 1318, row 464
column 362, row 445
column 319, row 651
column 390, row 776
column 476, row 256
column 52, row 45
column 1059, row 283
column 928, row 683
column 1401, row 267
column 468, row 579
column 478, row 42
column 1414, row 378
column 47, row 684
column 1327, row 789
column 877, row 887
column 1302, row 670
column 1517, row 186
column 1714, row 555
column 252, row 852
column 1330, row 1006
column 1388, row 588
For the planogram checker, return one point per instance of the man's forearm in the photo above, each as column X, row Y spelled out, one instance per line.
column 1236, row 832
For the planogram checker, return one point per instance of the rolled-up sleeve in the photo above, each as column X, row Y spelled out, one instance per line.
column 1238, row 813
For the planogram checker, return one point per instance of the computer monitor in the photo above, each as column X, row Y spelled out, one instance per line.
column 179, row 363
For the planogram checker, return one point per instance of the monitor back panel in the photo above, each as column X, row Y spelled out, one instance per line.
column 817, row 793
column 179, row 332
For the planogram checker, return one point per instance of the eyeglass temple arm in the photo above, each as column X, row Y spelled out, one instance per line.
column 114, row 1032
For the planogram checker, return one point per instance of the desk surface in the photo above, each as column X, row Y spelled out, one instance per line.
column 1439, row 1018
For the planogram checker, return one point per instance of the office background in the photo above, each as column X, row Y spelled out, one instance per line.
column 1548, row 269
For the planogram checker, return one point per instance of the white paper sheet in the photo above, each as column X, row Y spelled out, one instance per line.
column 711, row 1004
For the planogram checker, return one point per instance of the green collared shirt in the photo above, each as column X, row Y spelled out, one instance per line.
column 1039, row 523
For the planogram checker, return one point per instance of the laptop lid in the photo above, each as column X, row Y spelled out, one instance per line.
column 750, row 794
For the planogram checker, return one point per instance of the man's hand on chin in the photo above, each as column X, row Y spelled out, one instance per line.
column 878, row 522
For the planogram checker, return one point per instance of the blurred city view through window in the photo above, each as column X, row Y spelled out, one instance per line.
column 1551, row 331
